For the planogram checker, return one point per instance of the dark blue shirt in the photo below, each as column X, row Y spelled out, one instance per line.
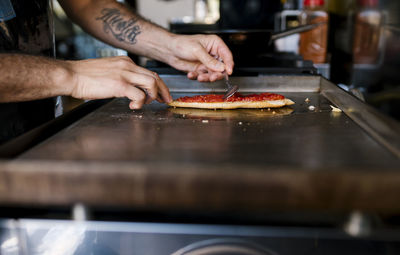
column 25, row 28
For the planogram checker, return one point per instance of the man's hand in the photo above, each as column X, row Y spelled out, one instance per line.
column 24, row 78
column 199, row 56
column 117, row 77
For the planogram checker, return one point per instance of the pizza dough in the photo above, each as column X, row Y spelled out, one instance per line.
column 233, row 105
column 263, row 100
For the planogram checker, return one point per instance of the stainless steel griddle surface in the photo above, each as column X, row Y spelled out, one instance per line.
column 291, row 136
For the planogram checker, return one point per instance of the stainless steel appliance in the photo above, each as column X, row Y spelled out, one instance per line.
column 298, row 171
column 25, row 237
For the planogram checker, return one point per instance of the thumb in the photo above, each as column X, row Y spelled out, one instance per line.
column 211, row 63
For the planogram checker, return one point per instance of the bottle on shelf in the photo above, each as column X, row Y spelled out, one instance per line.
column 367, row 32
column 313, row 43
column 340, row 37
column 286, row 19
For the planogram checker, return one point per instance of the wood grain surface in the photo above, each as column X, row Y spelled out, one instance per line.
column 226, row 187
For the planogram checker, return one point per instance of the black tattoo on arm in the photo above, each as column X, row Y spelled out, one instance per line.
column 123, row 29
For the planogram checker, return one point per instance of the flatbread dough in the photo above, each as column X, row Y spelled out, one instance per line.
column 234, row 105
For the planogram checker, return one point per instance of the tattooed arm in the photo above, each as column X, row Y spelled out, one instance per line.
column 115, row 24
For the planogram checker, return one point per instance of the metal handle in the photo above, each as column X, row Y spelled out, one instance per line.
column 295, row 30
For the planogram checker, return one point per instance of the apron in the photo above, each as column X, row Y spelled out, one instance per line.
column 25, row 27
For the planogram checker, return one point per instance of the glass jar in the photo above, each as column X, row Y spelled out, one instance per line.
column 367, row 32
column 313, row 43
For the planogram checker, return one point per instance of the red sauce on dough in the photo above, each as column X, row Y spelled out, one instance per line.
column 212, row 98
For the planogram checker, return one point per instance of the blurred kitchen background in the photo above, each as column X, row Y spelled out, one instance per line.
column 359, row 48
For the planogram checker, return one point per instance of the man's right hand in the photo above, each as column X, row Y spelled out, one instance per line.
column 117, row 77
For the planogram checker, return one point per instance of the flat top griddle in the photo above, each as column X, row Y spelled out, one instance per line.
column 293, row 136
column 252, row 160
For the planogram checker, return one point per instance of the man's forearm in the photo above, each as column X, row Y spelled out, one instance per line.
column 24, row 77
column 115, row 24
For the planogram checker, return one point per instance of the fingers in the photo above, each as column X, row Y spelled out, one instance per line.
column 201, row 69
column 160, row 85
column 137, row 97
column 206, row 59
column 210, row 53
column 148, row 81
column 221, row 50
column 163, row 90
column 192, row 75
column 210, row 77
column 143, row 78
column 117, row 77
column 203, row 74
column 159, row 99
column 205, row 77
column 217, row 47
column 216, row 76
column 200, row 50
column 226, row 55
